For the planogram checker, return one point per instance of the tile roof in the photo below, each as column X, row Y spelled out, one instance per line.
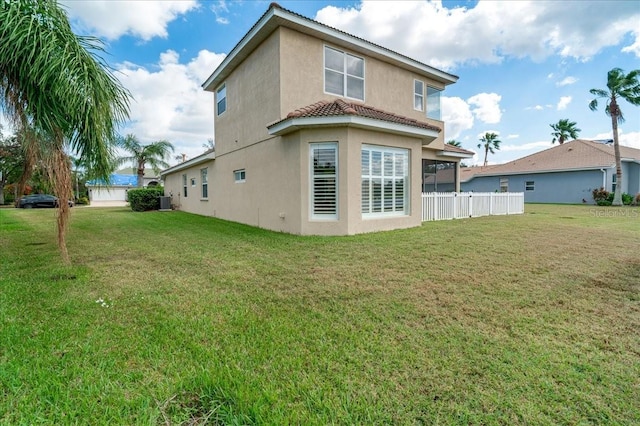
column 576, row 154
column 453, row 148
column 339, row 107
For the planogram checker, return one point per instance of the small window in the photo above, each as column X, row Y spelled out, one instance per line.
column 418, row 95
column 433, row 103
column 205, row 184
column 343, row 74
column 193, row 181
column 504, row 185
column 239, row 175
column 184, row 185
column 221, row 99
column 614, row 180
column 529, row 185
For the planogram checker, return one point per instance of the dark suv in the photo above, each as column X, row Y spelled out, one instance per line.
column 39, row 200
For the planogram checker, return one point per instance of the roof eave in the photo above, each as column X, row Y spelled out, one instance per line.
column 203, row 158
column 454, row 154
column 275, row 17
column 292, row 124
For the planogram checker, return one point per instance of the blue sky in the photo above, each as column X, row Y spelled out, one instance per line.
column 522, row 65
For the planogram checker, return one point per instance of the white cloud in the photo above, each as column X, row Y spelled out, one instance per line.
column 218, row 9
column 113, row 18
column 456, row 115
column 486, row 107
column 490, row 31
column 513, row 136
column 169, row 103
column 537, row 108
column 563, row 103
column 531, row 146
column 631, row 139
column 567, row 81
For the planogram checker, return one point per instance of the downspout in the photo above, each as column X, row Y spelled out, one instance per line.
column 604, row 178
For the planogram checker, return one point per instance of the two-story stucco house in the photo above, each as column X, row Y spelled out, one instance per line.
column 317, row 132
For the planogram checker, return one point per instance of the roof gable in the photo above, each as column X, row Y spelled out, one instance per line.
column 277, row 16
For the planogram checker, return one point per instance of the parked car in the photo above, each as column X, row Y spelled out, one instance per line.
column 39, row 200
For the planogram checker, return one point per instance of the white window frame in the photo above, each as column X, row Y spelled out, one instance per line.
column 344, row 72
column 504, row 184
column 614, row 181
column 193, row 182
column 386, row 175
column 438, row 115
column 184, row 185
column 204, row 194
column 220, row 99
column 313, row 213
column 240, row 175
column 530, row 185
column 420, row 95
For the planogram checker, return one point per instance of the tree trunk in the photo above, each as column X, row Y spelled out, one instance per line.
column 486, row 154
column 617, row 194
column 140, row 175
column 59, row 171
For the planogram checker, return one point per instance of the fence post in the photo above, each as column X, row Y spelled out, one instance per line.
column 508, row 202
column 455, row 205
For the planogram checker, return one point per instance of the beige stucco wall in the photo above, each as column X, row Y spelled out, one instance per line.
column 253, row 96
column 387, row 87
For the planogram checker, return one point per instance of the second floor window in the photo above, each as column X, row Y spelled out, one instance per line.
column 221, row 99
column 418, row 95
column 343, row 74
column 433, row 103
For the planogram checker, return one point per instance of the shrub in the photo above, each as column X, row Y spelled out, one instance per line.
column 600, row 194
column 145, row 199
column 626, row 199
column 636, row 201
column 83, row 200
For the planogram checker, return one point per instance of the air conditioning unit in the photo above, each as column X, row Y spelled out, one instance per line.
column 165, row 203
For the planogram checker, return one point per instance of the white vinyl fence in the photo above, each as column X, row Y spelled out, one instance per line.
column 458, row 205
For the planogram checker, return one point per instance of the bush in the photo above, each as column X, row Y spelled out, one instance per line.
column 636, row 201
column 83, row 200
column 600, row 194
column 145, row 199
column 626, row 198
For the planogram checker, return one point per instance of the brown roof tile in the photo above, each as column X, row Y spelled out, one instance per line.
column 339, row 107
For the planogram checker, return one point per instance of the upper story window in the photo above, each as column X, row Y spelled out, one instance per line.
column 418, row 95
column 221, row 99
column 433, row 103
column 343, row 74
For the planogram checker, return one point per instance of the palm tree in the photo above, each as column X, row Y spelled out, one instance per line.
column 455, row 143
column 153, row 154
column 563, row 130
column 490, row 143
column 620, row 86
column 57, row 90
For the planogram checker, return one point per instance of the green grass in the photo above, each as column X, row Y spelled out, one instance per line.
column 529, row 319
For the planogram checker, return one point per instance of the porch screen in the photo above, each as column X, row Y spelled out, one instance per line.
column 324, row 180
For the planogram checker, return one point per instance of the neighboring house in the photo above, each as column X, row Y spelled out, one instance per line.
column 119, row 184
column 566, row 173
column 317, row 132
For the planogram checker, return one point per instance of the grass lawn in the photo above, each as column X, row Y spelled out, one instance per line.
column 172, row 318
